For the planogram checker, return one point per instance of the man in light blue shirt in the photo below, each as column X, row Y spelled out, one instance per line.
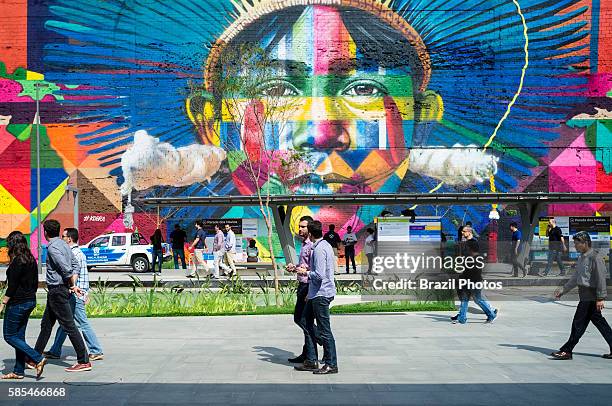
column 321, row 292
column 228, row 265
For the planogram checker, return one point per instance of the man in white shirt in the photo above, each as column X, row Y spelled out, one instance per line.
column 218, row 251
column 368, row 248
column 349, row 241
column 230, row 251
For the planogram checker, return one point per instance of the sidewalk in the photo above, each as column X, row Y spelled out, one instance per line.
column 413, row 358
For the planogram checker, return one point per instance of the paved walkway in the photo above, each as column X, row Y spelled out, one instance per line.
column 414, row 358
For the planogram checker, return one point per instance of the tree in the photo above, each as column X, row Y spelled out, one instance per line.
column 245, row 108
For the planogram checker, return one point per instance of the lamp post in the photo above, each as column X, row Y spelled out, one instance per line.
column 37, row 86
column 75, row 194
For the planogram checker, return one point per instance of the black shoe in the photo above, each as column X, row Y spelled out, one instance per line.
column 50, row 355
column 454, row 319
column 562, row 274
column 607, row 356
column 325, row 370
column 307, row 366
column 297, row 360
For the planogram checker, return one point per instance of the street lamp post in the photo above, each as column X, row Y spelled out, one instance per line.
column 75, row 194
column 37, row 86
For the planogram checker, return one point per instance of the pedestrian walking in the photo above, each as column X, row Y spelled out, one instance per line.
column 321, row 292
column 590, row 277
column 472, row 273
column 178, row 237
column 218, row 250
column 229, row 251
column 333, row 239
column 302, row 289
column 516, row 251
column 556, row 247
column 78, row 305
column 158, row 254
column 349, row 241
column 18, row 302
column 368, row 248
column 62, row 273
column 198, row 246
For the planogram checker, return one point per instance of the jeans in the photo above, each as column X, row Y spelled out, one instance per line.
column 349, row 254
column 80, row 317
column 464, row 295
column 318, row 309
column 58, row 309
column 176, row 254
column 552, row 256
column 158, row 257
column 14, row 327
column 587, row 312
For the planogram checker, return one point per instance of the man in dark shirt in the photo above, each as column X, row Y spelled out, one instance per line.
column 556, row 247
column 333, row 238
column 178, row 238
column 472, row 273
column 516, row 251
column 198, row 246
column 62, row 272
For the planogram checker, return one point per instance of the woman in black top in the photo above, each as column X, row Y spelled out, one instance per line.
column 156, row 242
column 20, row 300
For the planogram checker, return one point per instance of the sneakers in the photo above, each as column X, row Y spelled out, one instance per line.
column 561, row 355
column 489, row 321
column 455, row 319
column 79, row 367
column 96, row 357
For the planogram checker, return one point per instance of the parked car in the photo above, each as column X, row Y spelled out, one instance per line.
column 122, row 249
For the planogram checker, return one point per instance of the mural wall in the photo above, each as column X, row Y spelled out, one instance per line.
column 386, row 96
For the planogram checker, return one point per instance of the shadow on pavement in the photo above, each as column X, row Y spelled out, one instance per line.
column 546, row 351
column 273, row 354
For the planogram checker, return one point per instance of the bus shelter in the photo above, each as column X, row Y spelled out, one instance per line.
column 530, row 206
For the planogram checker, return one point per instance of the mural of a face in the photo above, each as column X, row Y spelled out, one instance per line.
column 354, row 101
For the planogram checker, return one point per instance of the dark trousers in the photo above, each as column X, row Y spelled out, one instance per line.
column 318, row 309
column 176, row 254
column 58, row 309
column 587, row 312
column 349, row 253
column 158, row 257
column 298, row 312
column 16, row 318
column 518, row 263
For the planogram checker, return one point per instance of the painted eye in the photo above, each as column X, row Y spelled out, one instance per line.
column 278, row 89
column 364, row 88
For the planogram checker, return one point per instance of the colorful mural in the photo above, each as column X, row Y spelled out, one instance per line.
column 388, row 96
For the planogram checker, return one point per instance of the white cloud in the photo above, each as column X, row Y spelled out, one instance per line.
column 149, row 162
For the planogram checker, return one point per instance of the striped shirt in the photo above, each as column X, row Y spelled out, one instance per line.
column 83, row 279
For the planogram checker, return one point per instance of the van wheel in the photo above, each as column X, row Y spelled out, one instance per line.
column 140, row 264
